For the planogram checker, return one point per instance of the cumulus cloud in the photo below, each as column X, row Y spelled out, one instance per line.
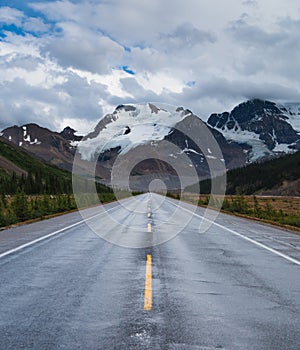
column 247, row 34
column 276, row 52
column 10, row 15
column 74, row 98
column 61, row 60
column 187, row 36
column 84, row 49
column 35, row 25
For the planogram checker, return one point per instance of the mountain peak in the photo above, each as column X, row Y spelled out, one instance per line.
column 259, row 123
column 130, row 126
column 68, row 133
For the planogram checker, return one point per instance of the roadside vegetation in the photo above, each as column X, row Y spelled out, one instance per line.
column 21, row 206
column 271, row 209
column 277, row 210
column 279, row 176
column 267, row 191
column 37, row 189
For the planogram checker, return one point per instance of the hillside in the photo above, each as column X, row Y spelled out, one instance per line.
column 31, row 188
column 277, row 177
column 20, row 170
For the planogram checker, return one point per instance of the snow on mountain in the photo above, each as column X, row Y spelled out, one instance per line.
column 27, row 137
column 44, row 143
column 131, row 126
column 267, row 128
column 292, row 112
column 258, row 148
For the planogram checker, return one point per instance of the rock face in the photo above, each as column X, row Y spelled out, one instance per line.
column 69, row 134
column 45, row 144
column 56, row 148
column 263, row 125
column 160, row 141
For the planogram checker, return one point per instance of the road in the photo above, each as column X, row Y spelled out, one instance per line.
column 235, row 286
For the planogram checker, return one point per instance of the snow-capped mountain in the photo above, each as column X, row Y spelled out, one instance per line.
column 130, row 126
column 254, row 130
column 134, row 130
column 266, row 127
column 292, row 112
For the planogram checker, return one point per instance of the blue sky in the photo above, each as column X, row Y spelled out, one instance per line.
column 69, row 62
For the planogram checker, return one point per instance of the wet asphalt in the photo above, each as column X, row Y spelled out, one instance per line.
column 84, row 288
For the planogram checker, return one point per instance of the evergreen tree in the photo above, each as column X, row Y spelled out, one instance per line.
column 20, row 206
column 2, row 215
column 257, row 209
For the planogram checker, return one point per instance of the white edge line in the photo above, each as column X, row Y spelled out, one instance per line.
column 14, row 250
column 297, row 262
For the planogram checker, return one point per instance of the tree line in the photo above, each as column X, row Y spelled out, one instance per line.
column 41, row 193
column 37, row 182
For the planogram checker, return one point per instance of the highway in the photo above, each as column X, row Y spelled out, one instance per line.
column 142, row 275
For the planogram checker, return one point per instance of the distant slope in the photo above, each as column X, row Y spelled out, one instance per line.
column 25, row 161
column 55, row 148
column 6, row 166
column 279, row 177
column 31, row 188
column 22, row 171
column 19, row 168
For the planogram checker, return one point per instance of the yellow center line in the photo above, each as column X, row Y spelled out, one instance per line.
column 148, row 284
column 149, row 228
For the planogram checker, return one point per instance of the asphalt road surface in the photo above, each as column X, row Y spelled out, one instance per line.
column 80, row 286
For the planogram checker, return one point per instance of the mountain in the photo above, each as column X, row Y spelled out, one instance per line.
column 69, row 134
column 276, row 177
column 267, row 128
column 19, row 167
column 43, row 143
column 31, row 188
column 137, row 144
column 153, row 140
column 55, row 148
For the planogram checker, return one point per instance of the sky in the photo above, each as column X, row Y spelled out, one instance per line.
column 70, row 62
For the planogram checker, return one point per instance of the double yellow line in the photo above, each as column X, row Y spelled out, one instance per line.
column 148, row 284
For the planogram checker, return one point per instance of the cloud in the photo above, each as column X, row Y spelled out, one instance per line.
column 71, row 61
column 253, row 35
column 13, row 17
column 74, row 98
column 187, row 36
column 247, row 90
column 253, row 3
column 83, row 49
column 10, row 16
column 35, row 25
column 280, row 46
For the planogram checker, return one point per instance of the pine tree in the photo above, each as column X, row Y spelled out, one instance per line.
column 257, row 209
column 20, row 206
column 2, row 215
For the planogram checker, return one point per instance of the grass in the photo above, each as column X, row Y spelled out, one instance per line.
column 282, row 211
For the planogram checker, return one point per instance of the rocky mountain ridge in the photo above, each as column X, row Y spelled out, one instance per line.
column 268, row 128
column 255, row 130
